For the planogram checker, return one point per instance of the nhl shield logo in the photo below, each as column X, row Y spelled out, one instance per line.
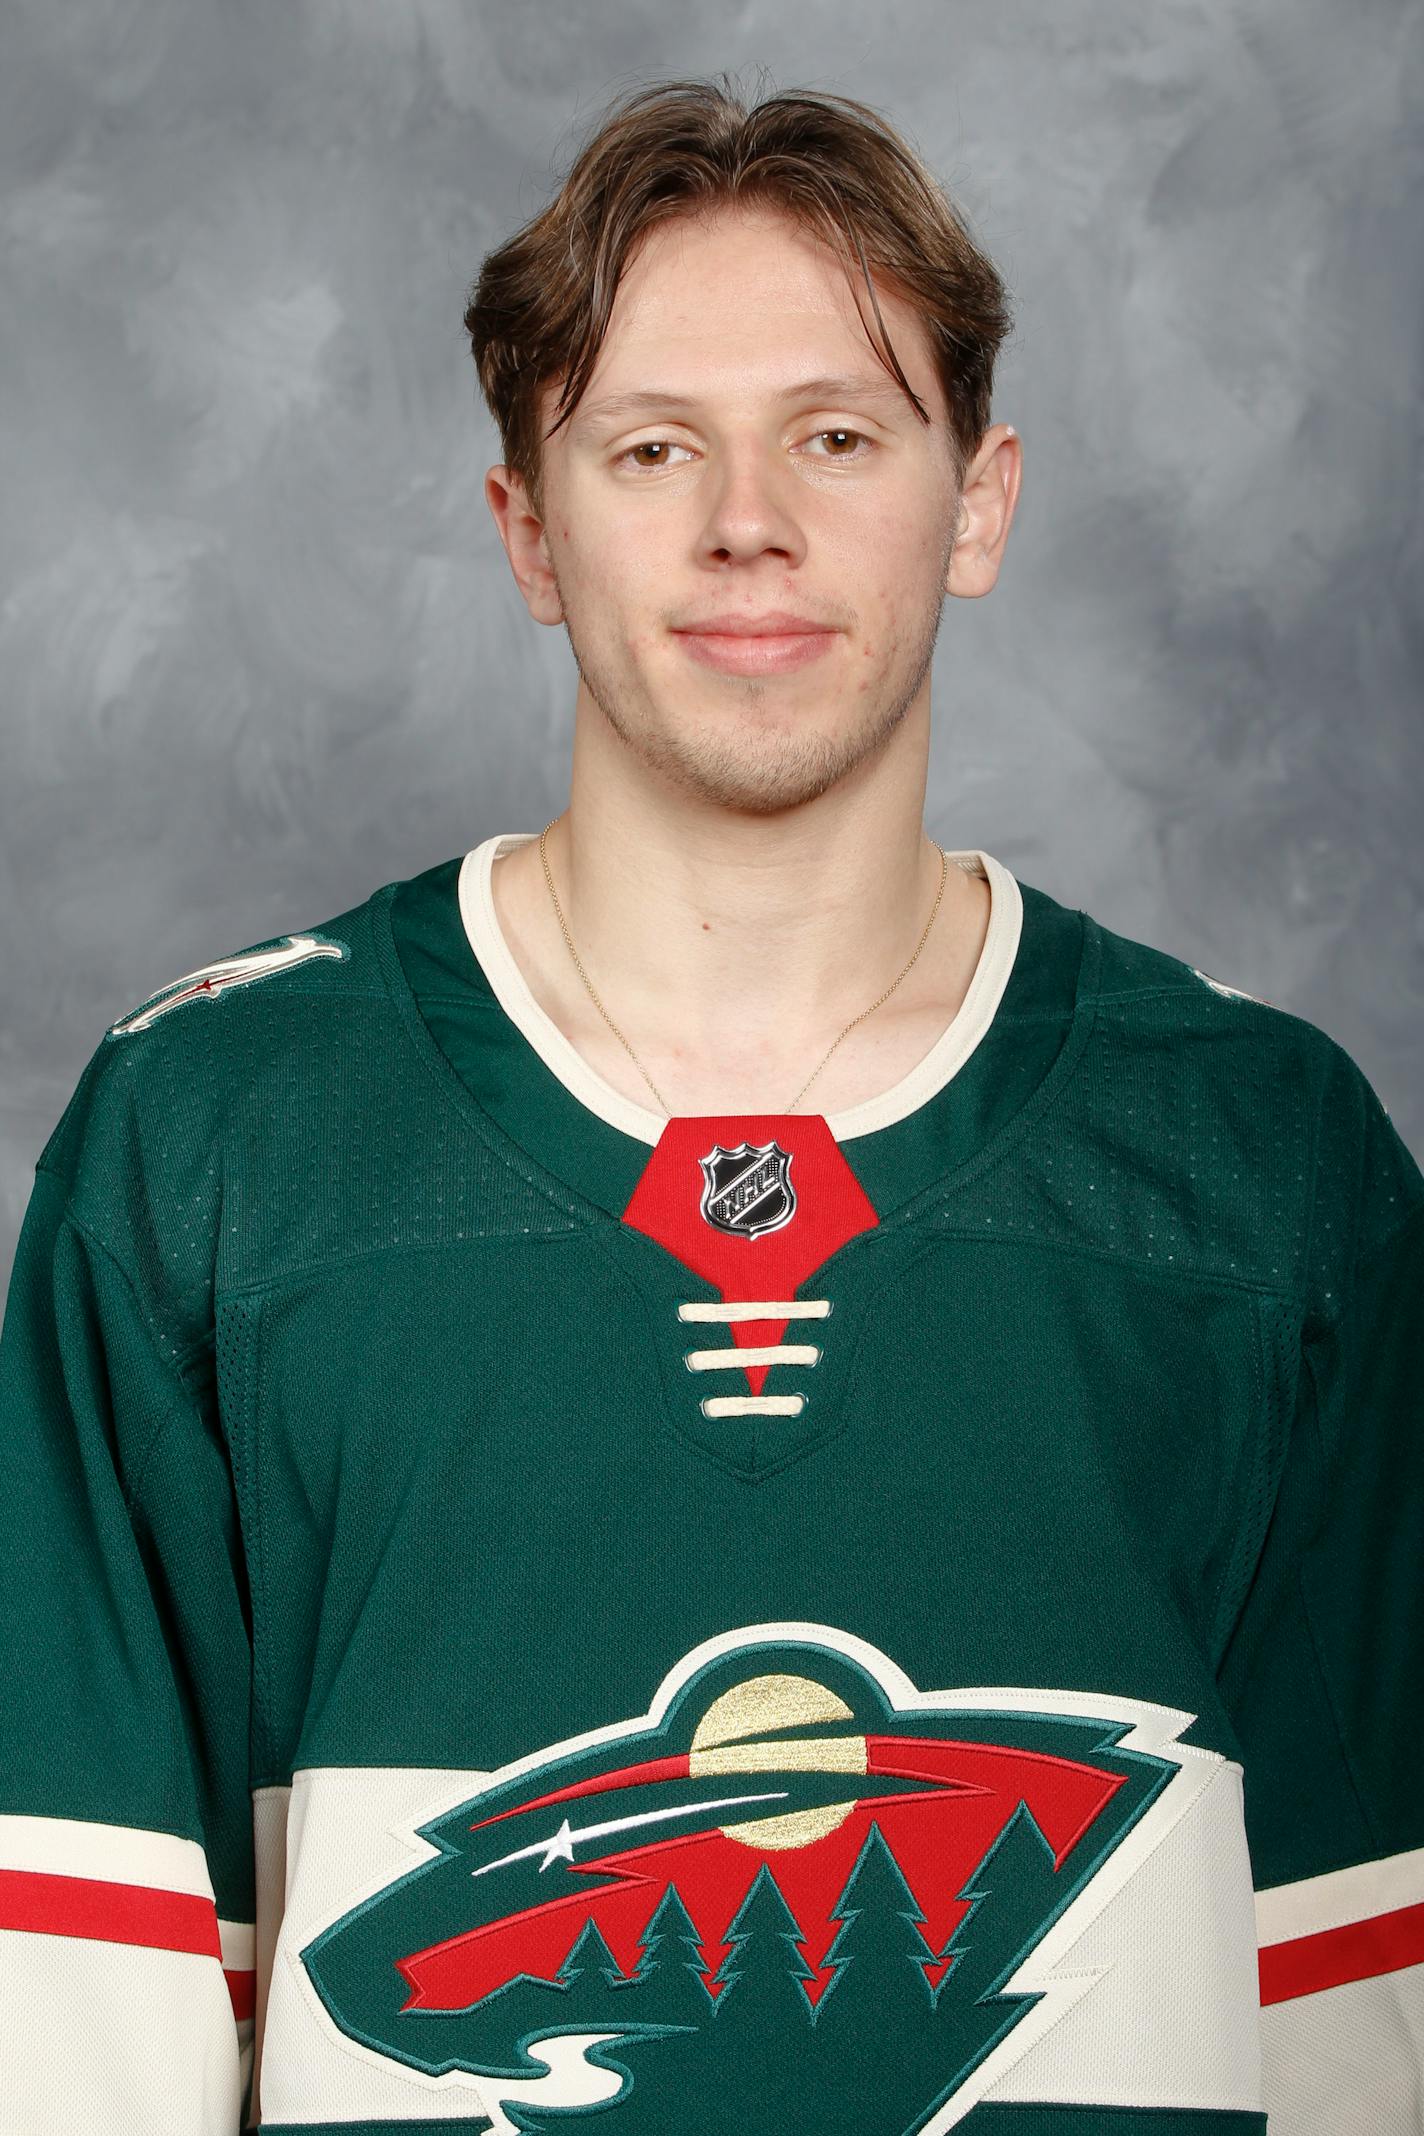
column 748, row 1190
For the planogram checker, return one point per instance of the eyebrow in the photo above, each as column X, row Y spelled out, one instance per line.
column 657, row 399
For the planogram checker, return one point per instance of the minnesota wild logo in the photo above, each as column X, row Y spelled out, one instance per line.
column 796, row 1892
column 211, row 981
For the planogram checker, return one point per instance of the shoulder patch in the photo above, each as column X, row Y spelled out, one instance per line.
column 1232, row 993
column 210, row 980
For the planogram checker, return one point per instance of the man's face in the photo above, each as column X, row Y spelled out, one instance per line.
column 770, row 468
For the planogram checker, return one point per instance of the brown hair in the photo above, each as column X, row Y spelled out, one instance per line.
column 540, row 308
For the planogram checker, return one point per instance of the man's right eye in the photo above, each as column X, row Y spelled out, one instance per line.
column 655, row 445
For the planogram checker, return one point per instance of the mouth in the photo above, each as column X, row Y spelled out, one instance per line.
column 767, row 645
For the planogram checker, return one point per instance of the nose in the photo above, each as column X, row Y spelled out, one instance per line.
column 751, row 508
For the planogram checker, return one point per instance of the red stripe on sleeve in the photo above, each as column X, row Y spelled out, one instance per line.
column 242, row 1987
column 50, row 1905
column 1359, row 1951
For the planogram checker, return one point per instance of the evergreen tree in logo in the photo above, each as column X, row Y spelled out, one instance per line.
column 591, row 1950
column 762, row 1967
column 879, row 1934
column 670, row 1974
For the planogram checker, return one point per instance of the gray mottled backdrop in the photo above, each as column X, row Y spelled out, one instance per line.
column 259, row 648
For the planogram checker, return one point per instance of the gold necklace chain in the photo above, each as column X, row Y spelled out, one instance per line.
column 593, row 995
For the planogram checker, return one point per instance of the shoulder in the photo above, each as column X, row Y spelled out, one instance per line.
column 196, row 1040
column 1257, row 1104
column 1134, row 972
column 244, row 967
column 1208, row 1029
column 217, row 1061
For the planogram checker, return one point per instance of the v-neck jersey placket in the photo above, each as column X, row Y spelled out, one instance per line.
column 782, row 1388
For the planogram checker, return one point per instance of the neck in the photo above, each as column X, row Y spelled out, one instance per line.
column 731, row 949
column 786, row 932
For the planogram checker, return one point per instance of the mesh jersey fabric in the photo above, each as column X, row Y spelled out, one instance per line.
column 427, row 1706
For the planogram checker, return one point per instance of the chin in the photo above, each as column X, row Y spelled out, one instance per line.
column 764, row 775
column 760, row 760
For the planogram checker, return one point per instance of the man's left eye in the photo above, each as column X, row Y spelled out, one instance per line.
column 839, row 436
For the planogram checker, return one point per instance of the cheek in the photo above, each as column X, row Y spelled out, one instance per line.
column 891, row 581
column 895, row 550
column 621, row 578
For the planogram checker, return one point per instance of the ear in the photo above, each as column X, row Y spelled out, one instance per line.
column 986, row 511
column 522, row 532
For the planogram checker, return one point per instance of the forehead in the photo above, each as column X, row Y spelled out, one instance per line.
column 740, row 305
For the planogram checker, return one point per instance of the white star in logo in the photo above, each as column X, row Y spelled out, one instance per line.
column 560, row 1848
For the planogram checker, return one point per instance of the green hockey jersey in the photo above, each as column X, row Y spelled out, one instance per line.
column 523, row 1615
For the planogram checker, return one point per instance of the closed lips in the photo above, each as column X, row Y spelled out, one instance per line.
column 778, row 625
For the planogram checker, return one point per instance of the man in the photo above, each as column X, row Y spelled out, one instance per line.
column 730, row 1473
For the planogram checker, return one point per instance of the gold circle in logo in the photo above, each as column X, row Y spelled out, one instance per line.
column 739, row 1734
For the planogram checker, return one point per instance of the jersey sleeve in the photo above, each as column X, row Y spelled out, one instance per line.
column 1325, row 1676
column 126, row 1874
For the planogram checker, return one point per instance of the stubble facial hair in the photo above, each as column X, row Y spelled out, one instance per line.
column 773, row 770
